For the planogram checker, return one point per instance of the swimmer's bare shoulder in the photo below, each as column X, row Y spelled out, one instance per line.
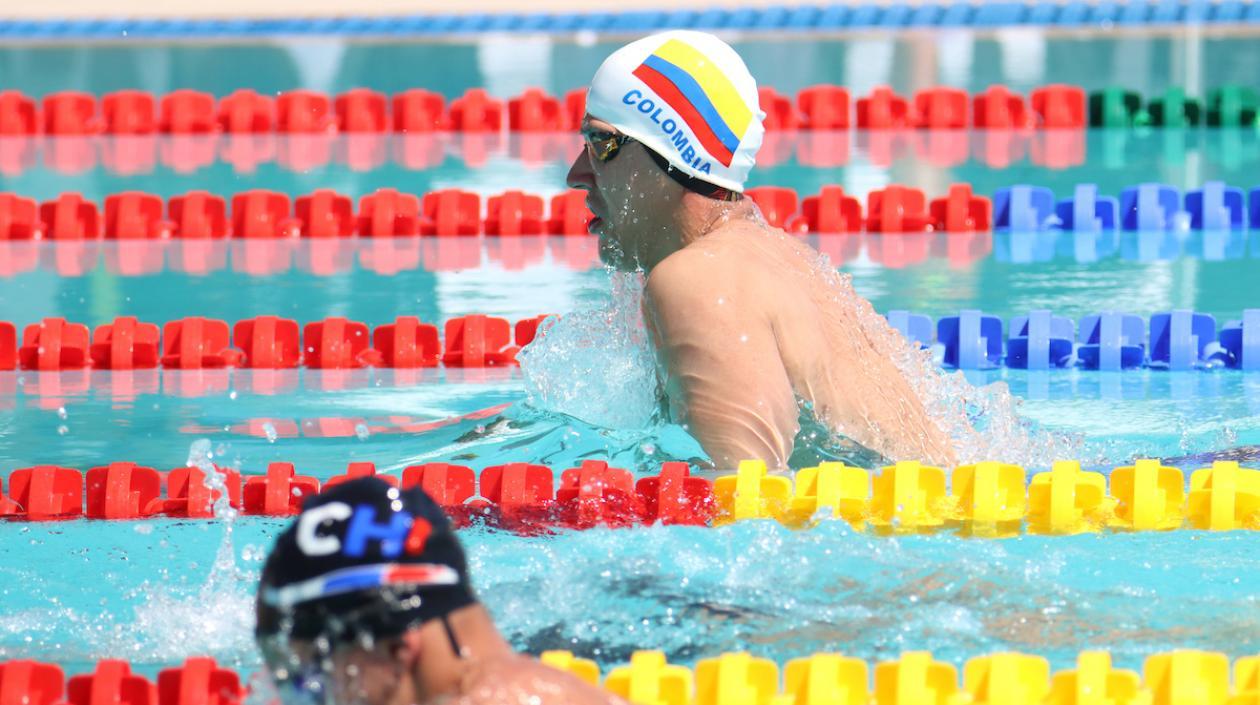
column 520, row 679
column 693, row 289
column 713, row 265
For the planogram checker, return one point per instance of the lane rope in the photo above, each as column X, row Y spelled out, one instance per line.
column 988, row 500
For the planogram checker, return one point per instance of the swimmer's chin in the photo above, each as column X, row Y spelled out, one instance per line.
column 616, row 258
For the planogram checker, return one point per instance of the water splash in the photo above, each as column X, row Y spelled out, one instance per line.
column 176, row 623
column 597, row 365
column 982, row 423
column 201, row 456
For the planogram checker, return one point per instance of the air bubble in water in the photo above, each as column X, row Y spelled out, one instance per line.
column 63, row 430
column 61, row 413
column 269, row 430
column 361, row 431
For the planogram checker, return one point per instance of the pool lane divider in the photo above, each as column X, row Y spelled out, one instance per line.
column 362, row 110
column 1181, row 677
column 998, row 149
column 987, row 499
column 271, row 215
column 189, row 121
column 198, row 681
column 1177, row 340
column 895, row 209
column 816, row 107
column 265, row 343
column 775, row 19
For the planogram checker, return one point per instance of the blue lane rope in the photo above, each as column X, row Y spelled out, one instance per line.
column 866, row 16
column 1171, row 340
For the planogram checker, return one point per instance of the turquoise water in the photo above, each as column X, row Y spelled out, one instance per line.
column 158, row 596
column 1112, row 417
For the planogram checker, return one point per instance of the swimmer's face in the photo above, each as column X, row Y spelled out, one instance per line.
column 368, row 673
column 624, row 190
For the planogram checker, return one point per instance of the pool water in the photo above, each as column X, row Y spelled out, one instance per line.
column 692, row 592
column 164, row 589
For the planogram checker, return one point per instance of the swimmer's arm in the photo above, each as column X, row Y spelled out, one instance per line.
column 722, row 355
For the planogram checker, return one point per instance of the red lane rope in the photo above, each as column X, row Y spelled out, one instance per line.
column 386, row 213
column 265, row 343
column 517, row 496
column 135, row 112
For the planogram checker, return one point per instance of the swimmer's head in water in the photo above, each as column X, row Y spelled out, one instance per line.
column 363, row 564
column 667, row 115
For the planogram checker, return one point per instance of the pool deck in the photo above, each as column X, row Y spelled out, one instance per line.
column 330, row 8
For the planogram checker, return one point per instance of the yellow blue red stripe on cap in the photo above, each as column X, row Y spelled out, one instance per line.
column 691, row 84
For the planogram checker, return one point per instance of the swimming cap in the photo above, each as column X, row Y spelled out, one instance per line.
column 686, row 96
column 362, row 557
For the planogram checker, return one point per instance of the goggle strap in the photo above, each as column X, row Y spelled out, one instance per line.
column 691, row 183
column 450, row 637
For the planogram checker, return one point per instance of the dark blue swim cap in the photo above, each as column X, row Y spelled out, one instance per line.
column 362, row 558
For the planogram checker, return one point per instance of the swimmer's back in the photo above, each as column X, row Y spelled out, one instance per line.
column 795, row 313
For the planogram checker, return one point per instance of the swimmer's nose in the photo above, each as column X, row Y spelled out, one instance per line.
column 580, row 174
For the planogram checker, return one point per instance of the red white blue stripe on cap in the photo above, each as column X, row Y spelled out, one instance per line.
column 364, row 577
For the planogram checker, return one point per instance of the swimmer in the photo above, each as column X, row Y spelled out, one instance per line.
column 750, row 324
column 365, row 599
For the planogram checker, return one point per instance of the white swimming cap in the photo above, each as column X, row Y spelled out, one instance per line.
column 686, row 96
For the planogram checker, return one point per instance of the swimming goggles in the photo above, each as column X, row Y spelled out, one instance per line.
column 603, row 146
